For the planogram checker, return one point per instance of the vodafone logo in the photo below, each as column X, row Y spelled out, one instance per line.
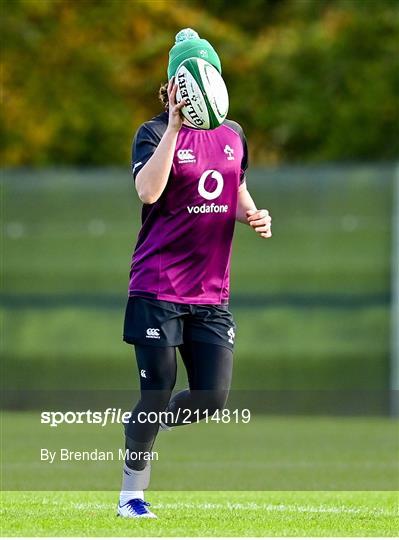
column 210, row 195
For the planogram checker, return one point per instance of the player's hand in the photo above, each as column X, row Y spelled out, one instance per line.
column 261, row 221
column 175, row 115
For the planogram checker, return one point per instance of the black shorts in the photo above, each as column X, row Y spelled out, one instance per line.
column 169, row 324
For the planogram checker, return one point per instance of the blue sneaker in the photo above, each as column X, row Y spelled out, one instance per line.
column 135, row 508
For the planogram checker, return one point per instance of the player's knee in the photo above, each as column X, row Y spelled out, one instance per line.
column 216, row 401
column 155, row 400
column 157, row 368
column 157, row 379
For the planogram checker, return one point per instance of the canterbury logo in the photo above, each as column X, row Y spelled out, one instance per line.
column 185, row 156
column 210, row 195
column 152, row 333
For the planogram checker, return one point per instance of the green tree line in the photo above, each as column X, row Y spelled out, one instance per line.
column 309, row 80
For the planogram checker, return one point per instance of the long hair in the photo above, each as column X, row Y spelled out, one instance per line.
column 163, row 95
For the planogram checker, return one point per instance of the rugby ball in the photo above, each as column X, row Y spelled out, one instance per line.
column 205, row 92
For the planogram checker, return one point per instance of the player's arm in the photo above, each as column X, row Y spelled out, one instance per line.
column 151, row 180
column 259, row 220
column 247, row 212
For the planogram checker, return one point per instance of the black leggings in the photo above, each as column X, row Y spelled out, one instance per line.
column 209, row 370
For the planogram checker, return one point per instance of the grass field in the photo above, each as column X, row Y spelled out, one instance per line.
column 69, row 235
column 204, row 514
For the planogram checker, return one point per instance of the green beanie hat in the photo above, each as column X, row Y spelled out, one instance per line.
column 188, row 44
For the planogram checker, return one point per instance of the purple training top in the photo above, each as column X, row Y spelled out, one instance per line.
column 184, row 245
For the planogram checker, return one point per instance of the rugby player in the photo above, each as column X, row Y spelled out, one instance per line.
column 193, row 187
